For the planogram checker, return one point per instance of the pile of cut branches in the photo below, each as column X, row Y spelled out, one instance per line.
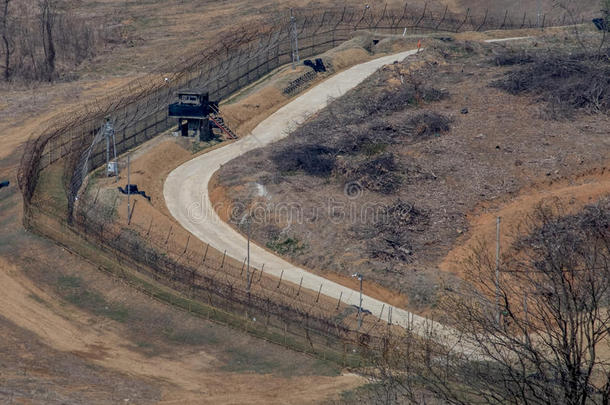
column 567, row 83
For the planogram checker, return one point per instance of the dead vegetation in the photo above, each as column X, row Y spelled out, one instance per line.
column 388, row 237
column 447, row 143
column 566, row 83
column 351, row 139
column 539, row 326
column 46, row 40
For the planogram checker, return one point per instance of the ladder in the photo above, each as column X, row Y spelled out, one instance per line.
column 220, row 123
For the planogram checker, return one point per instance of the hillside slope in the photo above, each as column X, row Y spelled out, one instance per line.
column 387, row 180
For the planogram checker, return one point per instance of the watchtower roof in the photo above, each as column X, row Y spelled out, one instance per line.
column 193, row 91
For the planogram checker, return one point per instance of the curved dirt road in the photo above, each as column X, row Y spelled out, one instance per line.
column 187, row 198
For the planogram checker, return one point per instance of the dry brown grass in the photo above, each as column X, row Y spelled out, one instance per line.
column 88, row 337
column 491, row 154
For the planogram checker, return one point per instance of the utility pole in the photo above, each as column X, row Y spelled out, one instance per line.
column 128, row 191
column 294, row 40
column 107, row 149
column 248, row 258
column 108, row 131
column 538, row 13
column 359, row 277
column 498, row 270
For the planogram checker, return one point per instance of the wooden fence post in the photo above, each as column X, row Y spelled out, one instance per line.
column 205, row 255
column 168, row 234
column 381, row 313
column 280, row 282
column 242, row 266
column 188, row 238
column 149, row 226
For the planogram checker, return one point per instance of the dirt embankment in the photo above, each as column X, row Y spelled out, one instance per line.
column 189, row 375
column 571, row 193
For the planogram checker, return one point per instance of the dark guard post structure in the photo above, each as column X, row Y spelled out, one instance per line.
column 194, row 107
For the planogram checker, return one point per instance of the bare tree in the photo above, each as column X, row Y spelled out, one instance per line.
column 47, row 22
column 7, row 41
column 605, row 4
column 550, row 345
column 572, row 11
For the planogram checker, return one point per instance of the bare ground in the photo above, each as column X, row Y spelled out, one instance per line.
column 492, row 154
column 129, row 346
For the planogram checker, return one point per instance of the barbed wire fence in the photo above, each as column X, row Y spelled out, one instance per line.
column 240, row 58
column 225, row 66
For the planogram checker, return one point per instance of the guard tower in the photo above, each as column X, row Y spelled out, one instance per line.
column 192, row 111
column 201, row 115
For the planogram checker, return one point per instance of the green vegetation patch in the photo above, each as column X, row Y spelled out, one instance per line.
column 193, row 337
column 253, row 360
column 72, row 289
column 288, row 246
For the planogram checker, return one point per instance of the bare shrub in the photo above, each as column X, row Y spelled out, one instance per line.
column 43, row 40
column 7, row 27
column 511, row 57
column 356, row 140
column 315, row 160
column 429, row 123
column 379, row 174
column 388, row 235
column 534, row 334
column 350, row 138
column 566, row 82
column 455, row 50
column 411, row 94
